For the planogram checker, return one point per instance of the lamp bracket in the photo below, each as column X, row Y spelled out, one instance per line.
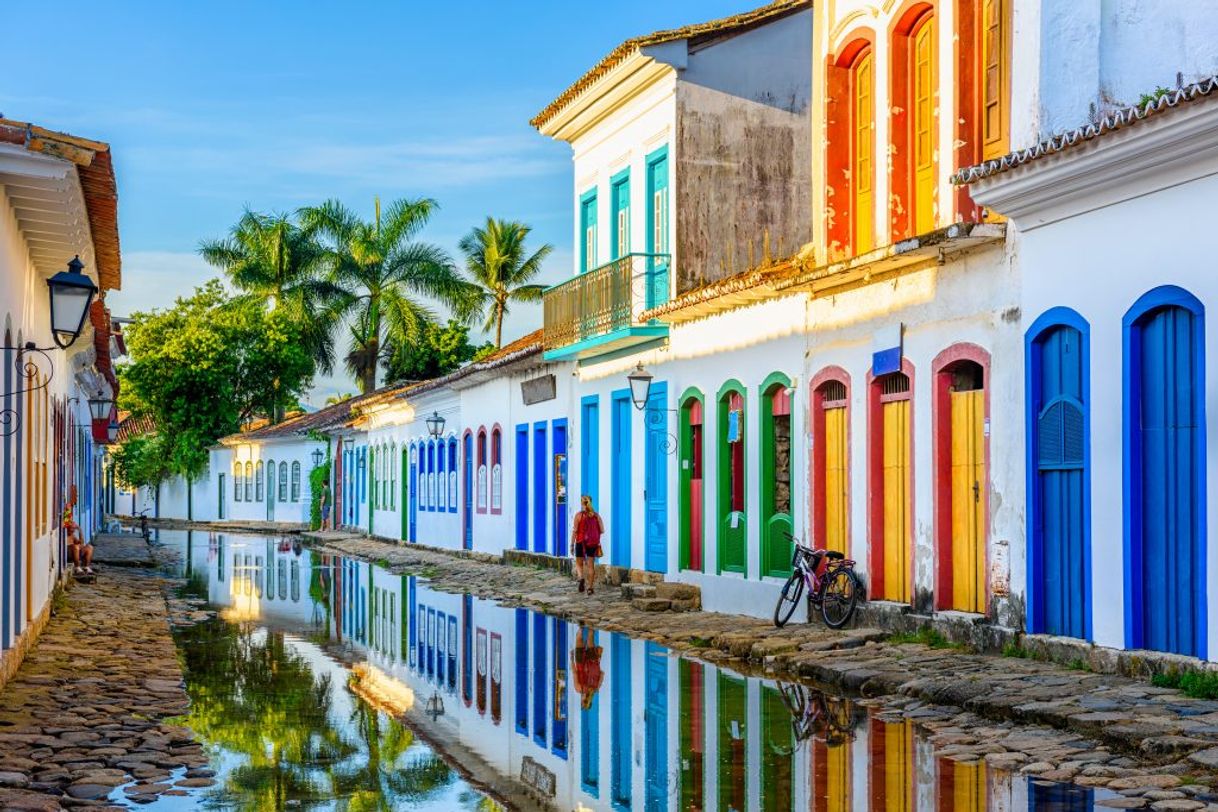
column 656, row 418
column 27, row 368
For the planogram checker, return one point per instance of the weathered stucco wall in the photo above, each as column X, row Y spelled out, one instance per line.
column 743, row 170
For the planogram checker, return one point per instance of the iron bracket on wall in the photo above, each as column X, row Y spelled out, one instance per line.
column 27, row 370
column 655, row 418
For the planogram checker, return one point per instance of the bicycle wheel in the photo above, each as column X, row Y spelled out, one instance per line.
column 789, row 599
column 838, row 597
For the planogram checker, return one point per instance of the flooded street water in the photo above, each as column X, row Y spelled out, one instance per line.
column 331, row 683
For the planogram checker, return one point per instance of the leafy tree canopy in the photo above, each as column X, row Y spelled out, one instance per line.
column 141, row 462
column 202, row 367
column 437, row 351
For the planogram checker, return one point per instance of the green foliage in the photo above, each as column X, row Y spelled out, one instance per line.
column 141, row 462
column 1147, row 98
column 201, row 367
column 500, row 270
column 925, row 636
column 437, row 351
column 1197, row 684
column 318, row 477
column 1015, row 650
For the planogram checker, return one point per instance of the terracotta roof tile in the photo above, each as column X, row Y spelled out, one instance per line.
column 723, row 25
column 1121, row 119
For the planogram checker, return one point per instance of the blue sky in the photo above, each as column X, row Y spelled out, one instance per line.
column 210, row 107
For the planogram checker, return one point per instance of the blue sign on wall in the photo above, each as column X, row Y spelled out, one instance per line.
column 886, row 355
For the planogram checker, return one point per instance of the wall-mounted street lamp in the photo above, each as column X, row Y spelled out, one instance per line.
column 99, row 407
column 112, row 431
column 640, row 386
column 317, row 456
column 435, row 706
column 435, row 424
column 71, row 293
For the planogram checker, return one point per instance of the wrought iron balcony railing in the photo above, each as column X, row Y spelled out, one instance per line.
column 604, row 300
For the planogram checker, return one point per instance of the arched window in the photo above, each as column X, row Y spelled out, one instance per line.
column 1059, row 494
column 238, row 485
column 913, row 122
column 283, row 482
column 891, row 486
column 691, row 497
column 496, row 470
column 850, row 151
column 452, row 474
column 431, row 475
column 393, row 476
column 732, row 478
column 960, row 414
column 775, row 468
column 296, row 482
column 249, row 482
column 830, row 415
column 270, row 481
column 442, row 475
column 481, row 471
column 258, row 482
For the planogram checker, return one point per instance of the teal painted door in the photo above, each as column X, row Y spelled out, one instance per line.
column 655, row 463
column 620, row 227
column 619, row 524
column 657, row 229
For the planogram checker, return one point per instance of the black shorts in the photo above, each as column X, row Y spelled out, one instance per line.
column 587, row 550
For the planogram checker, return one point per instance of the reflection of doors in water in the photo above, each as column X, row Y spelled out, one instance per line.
column 1168, row 477
column 541, row 655
column 496, row 678
column 891, row 784
column 692, row 754
column 558, row 743
column 968, row 492
column 777, row 754
column 831, row 786
column 619, row 525
column 962, row 785
column 656, row 732
column 560, row 488
column 620, row 739
column 733, row 735
column 894, row 465
column 655, row 465
column 480, row 659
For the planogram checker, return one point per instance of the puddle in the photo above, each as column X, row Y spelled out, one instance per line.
column 298, row 686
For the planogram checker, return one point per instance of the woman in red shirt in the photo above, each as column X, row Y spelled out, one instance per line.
column 587, row 540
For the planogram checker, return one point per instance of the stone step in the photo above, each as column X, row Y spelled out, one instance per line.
column 651, row 604
column 631, row 591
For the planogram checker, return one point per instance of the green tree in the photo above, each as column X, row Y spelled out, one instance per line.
column 500, row 269
column 141, row 461
column 382, row 270
column 272, row 260
column 202, row 367
column 437, row 351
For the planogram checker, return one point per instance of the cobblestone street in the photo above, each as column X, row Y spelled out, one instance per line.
column 88, row 710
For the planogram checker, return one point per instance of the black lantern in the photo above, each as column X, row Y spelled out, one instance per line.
column 71, row 294
column 112, row 431
column 435, row 424
column 99, row 407
column 317, row 455
column 640, row 386
column 435, row 706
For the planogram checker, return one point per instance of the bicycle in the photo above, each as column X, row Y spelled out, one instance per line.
column 831, row 583
column 815, row 715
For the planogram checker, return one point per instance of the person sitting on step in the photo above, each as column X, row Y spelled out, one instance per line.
column 80, row 553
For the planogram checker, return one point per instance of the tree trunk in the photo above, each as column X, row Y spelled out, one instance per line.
column 374, row 349
column 499, row 325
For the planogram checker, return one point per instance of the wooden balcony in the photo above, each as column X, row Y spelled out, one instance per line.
column 599, row 311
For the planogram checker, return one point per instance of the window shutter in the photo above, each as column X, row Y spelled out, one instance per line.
column 995, row 62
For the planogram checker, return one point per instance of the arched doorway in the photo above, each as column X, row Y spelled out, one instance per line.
column 690, row 495
column 891, row 487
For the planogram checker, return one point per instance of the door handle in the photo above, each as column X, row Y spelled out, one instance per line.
column 976, row 491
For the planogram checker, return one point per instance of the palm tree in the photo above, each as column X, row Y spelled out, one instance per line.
column 273, row 261
column 382, row 269
column 500, row 269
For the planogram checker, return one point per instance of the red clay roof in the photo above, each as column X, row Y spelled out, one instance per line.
column 723, row 25
column 96, row 173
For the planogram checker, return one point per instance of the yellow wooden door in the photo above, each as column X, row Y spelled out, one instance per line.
column 968, row 500
column 835, row 479
column 864, row 147
column 924, row 81
column 968, row 786
column 896, row 501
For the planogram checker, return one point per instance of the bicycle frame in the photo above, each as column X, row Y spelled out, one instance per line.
column 812, row 581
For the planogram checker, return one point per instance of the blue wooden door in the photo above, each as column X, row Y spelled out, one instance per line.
column 522, row 487
column 620, row 688
column 560, row 489
column 1168, row 428
column 467, row 502
column 655, row 464
column 589, row 450
column 522, row 672
column 656, row 728
column 414, row 493
column 1060, row 479
column 619, row 523
column 541, row 474
column 541, row 653
column 558, row 739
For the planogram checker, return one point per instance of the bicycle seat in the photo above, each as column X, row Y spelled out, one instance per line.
column 833, row 555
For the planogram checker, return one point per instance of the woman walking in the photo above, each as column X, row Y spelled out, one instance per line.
column 587, row 538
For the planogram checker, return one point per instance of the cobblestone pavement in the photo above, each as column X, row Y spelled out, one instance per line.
column 86, row 713
column 1103, row 730
column 122, row 550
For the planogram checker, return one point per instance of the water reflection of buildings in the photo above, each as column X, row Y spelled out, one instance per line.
column 261, row 578
column 605, row 722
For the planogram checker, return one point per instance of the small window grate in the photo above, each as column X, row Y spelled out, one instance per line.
column 894, row 384
column 832, row 391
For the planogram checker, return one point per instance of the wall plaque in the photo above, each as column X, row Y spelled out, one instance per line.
column 538, row 390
